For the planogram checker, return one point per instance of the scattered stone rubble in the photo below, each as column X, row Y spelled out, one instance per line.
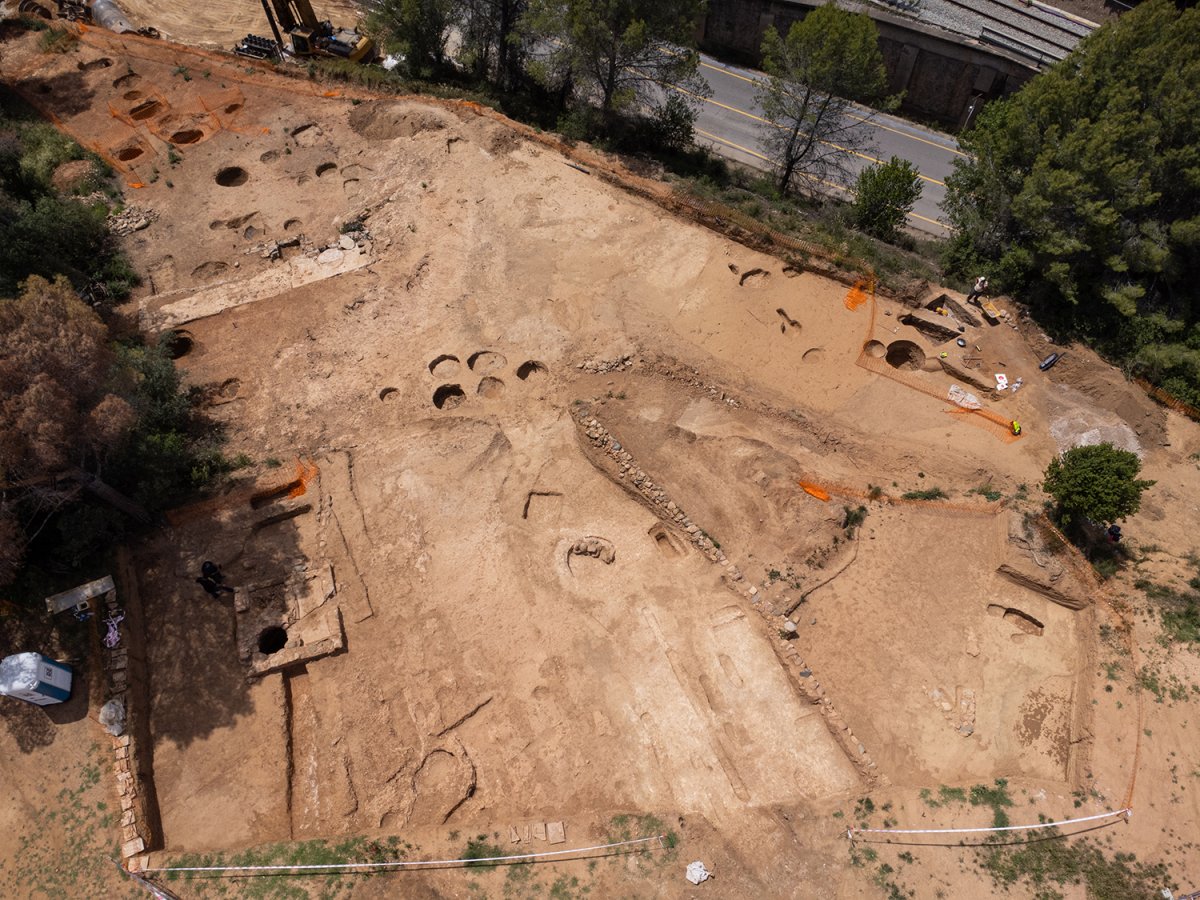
column 331, row 252
column 135, row 832
column 131, row 219
column 597, row 366
column 629, row 472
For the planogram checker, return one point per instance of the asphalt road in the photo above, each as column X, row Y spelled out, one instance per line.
column 729, row 121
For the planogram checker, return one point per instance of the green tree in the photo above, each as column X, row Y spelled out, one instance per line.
column 419, row 30
column 884, row 195
column 827, row 60
column 617, row 52
column 493, row 45
column 1081, row 192
column 1097, row 482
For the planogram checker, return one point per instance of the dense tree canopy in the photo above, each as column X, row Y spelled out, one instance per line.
column 828, row 59
column 1081, row 193
column 618, row 51
column 884, row 195
column 1097, row 482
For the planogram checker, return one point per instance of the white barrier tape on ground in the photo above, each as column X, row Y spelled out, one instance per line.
column 850, row 832
column 398, row 864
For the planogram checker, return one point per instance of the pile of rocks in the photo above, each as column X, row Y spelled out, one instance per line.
column 130, row 219
column 601, row 366
column 135, row 833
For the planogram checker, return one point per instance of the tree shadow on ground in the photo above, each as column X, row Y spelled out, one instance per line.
column 197, row 682
column 67, row 93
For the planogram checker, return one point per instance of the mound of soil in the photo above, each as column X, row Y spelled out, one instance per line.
column 386, row 121
column 70, row 175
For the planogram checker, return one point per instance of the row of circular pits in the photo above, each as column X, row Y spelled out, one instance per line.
column 483, row 362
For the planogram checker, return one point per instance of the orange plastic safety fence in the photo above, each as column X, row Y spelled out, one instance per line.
column 1168, row 400
column 825, row 490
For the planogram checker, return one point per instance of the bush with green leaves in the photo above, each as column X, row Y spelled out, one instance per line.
column 884, row 195
column 1098, row 483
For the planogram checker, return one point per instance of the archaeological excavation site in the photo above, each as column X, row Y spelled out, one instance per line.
column 586, row 528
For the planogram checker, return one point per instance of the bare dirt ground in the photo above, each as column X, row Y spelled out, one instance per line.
column 529, row 633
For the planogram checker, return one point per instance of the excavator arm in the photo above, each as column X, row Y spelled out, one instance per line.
column 291, row 13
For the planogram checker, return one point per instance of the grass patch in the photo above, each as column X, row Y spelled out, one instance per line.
column 479, row 850
column 986, row 491
column 853, row 518
column 1179, row 611
column 288, row 886
column 1049, row 861
column 996, row 797
column 934, row 493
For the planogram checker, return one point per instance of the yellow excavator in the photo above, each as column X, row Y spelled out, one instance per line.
column 306, row 35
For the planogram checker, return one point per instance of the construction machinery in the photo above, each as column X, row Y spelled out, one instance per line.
column 299, row 32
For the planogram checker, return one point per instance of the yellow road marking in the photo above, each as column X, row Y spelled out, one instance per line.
column 748, row 115
column 876, row 123
column 829, row 184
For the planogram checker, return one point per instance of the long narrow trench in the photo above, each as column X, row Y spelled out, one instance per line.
column 303, row 783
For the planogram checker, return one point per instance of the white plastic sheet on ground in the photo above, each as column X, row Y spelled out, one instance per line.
column 696, row 872
column 959, row 397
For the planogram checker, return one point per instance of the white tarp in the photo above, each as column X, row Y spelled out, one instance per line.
column 959, row 397
column 696, row 872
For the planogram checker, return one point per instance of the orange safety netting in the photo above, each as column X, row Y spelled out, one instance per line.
column 825, row 490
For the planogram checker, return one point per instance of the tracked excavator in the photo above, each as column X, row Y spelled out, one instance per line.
column 298, row 32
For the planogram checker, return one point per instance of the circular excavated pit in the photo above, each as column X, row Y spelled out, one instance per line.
column 292, row 225
column 905, row 355
column 491, row 388
column 269, row 156
column 874, row 348
column 179, row 343
column 132, row 95
column 103, row 63
column 187, row 136
column 448, row 396
column 325, row 167
column 250, row 233
column 388, row 393
column 531, row 369
column 814, row 355
column 232, row 176
column 127, row 80
column 210, row 269
column 484, row 361
column 232, row 108
column 129, row 153
column 272, row 640
column 145, row 110
column 444, row 366
column 229, row 388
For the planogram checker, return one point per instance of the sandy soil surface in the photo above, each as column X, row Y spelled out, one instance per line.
column 222, row 23
column 530, row 633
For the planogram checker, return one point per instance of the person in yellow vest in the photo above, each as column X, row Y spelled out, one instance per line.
column 1015, row 426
